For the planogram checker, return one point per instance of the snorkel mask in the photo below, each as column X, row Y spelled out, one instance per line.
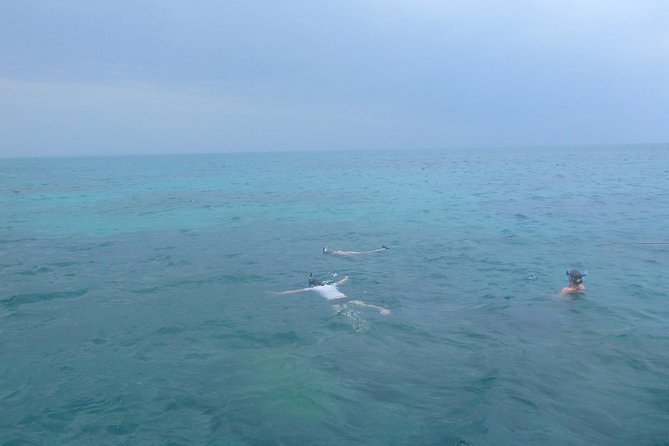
column 316, row 282
column 575, row 276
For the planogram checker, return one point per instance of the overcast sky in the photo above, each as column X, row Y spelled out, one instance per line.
column 164, row 76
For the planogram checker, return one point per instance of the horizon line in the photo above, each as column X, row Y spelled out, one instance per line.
column 266, row 151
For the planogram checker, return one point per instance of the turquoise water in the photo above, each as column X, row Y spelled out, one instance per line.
column 135, row 304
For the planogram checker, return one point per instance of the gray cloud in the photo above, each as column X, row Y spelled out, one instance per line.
column 153, row 76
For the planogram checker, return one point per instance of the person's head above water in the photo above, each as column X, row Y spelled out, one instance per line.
column 575, row 276
column 313, row 281
column 326, row 250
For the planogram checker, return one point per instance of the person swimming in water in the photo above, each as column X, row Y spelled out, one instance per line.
column 352, row 253
column 575, row 282
column 330, row 291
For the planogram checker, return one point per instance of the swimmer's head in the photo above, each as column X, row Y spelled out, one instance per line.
column 575, row 276
column 313, row 281
column 326, row 250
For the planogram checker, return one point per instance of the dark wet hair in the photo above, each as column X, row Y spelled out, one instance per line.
column 575, row 276
column 313, row 281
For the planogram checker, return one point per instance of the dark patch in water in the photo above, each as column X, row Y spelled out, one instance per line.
column 20, row 299
column 170, row 330
column 288, row 336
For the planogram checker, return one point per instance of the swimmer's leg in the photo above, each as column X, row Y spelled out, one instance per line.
column 353, row 316
column 382, row 311
column 339, row 308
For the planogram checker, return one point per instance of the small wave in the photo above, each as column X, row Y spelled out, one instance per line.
column 170, row 330
column 225, row 279
column 5, row 241
column 125, row 428
column 35, row 271
column 20, row 299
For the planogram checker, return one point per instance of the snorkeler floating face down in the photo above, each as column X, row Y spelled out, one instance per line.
column 328, row 289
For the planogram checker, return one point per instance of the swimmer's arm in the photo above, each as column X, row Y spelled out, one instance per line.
column 355, row 253
column 291, row 291
column 342, row 281
column 344, row 253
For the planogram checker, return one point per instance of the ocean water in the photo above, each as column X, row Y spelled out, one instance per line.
column 136, row 304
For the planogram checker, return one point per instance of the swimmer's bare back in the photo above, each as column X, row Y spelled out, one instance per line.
column 573, row 290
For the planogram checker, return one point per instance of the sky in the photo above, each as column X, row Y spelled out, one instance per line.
column 81, row 77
